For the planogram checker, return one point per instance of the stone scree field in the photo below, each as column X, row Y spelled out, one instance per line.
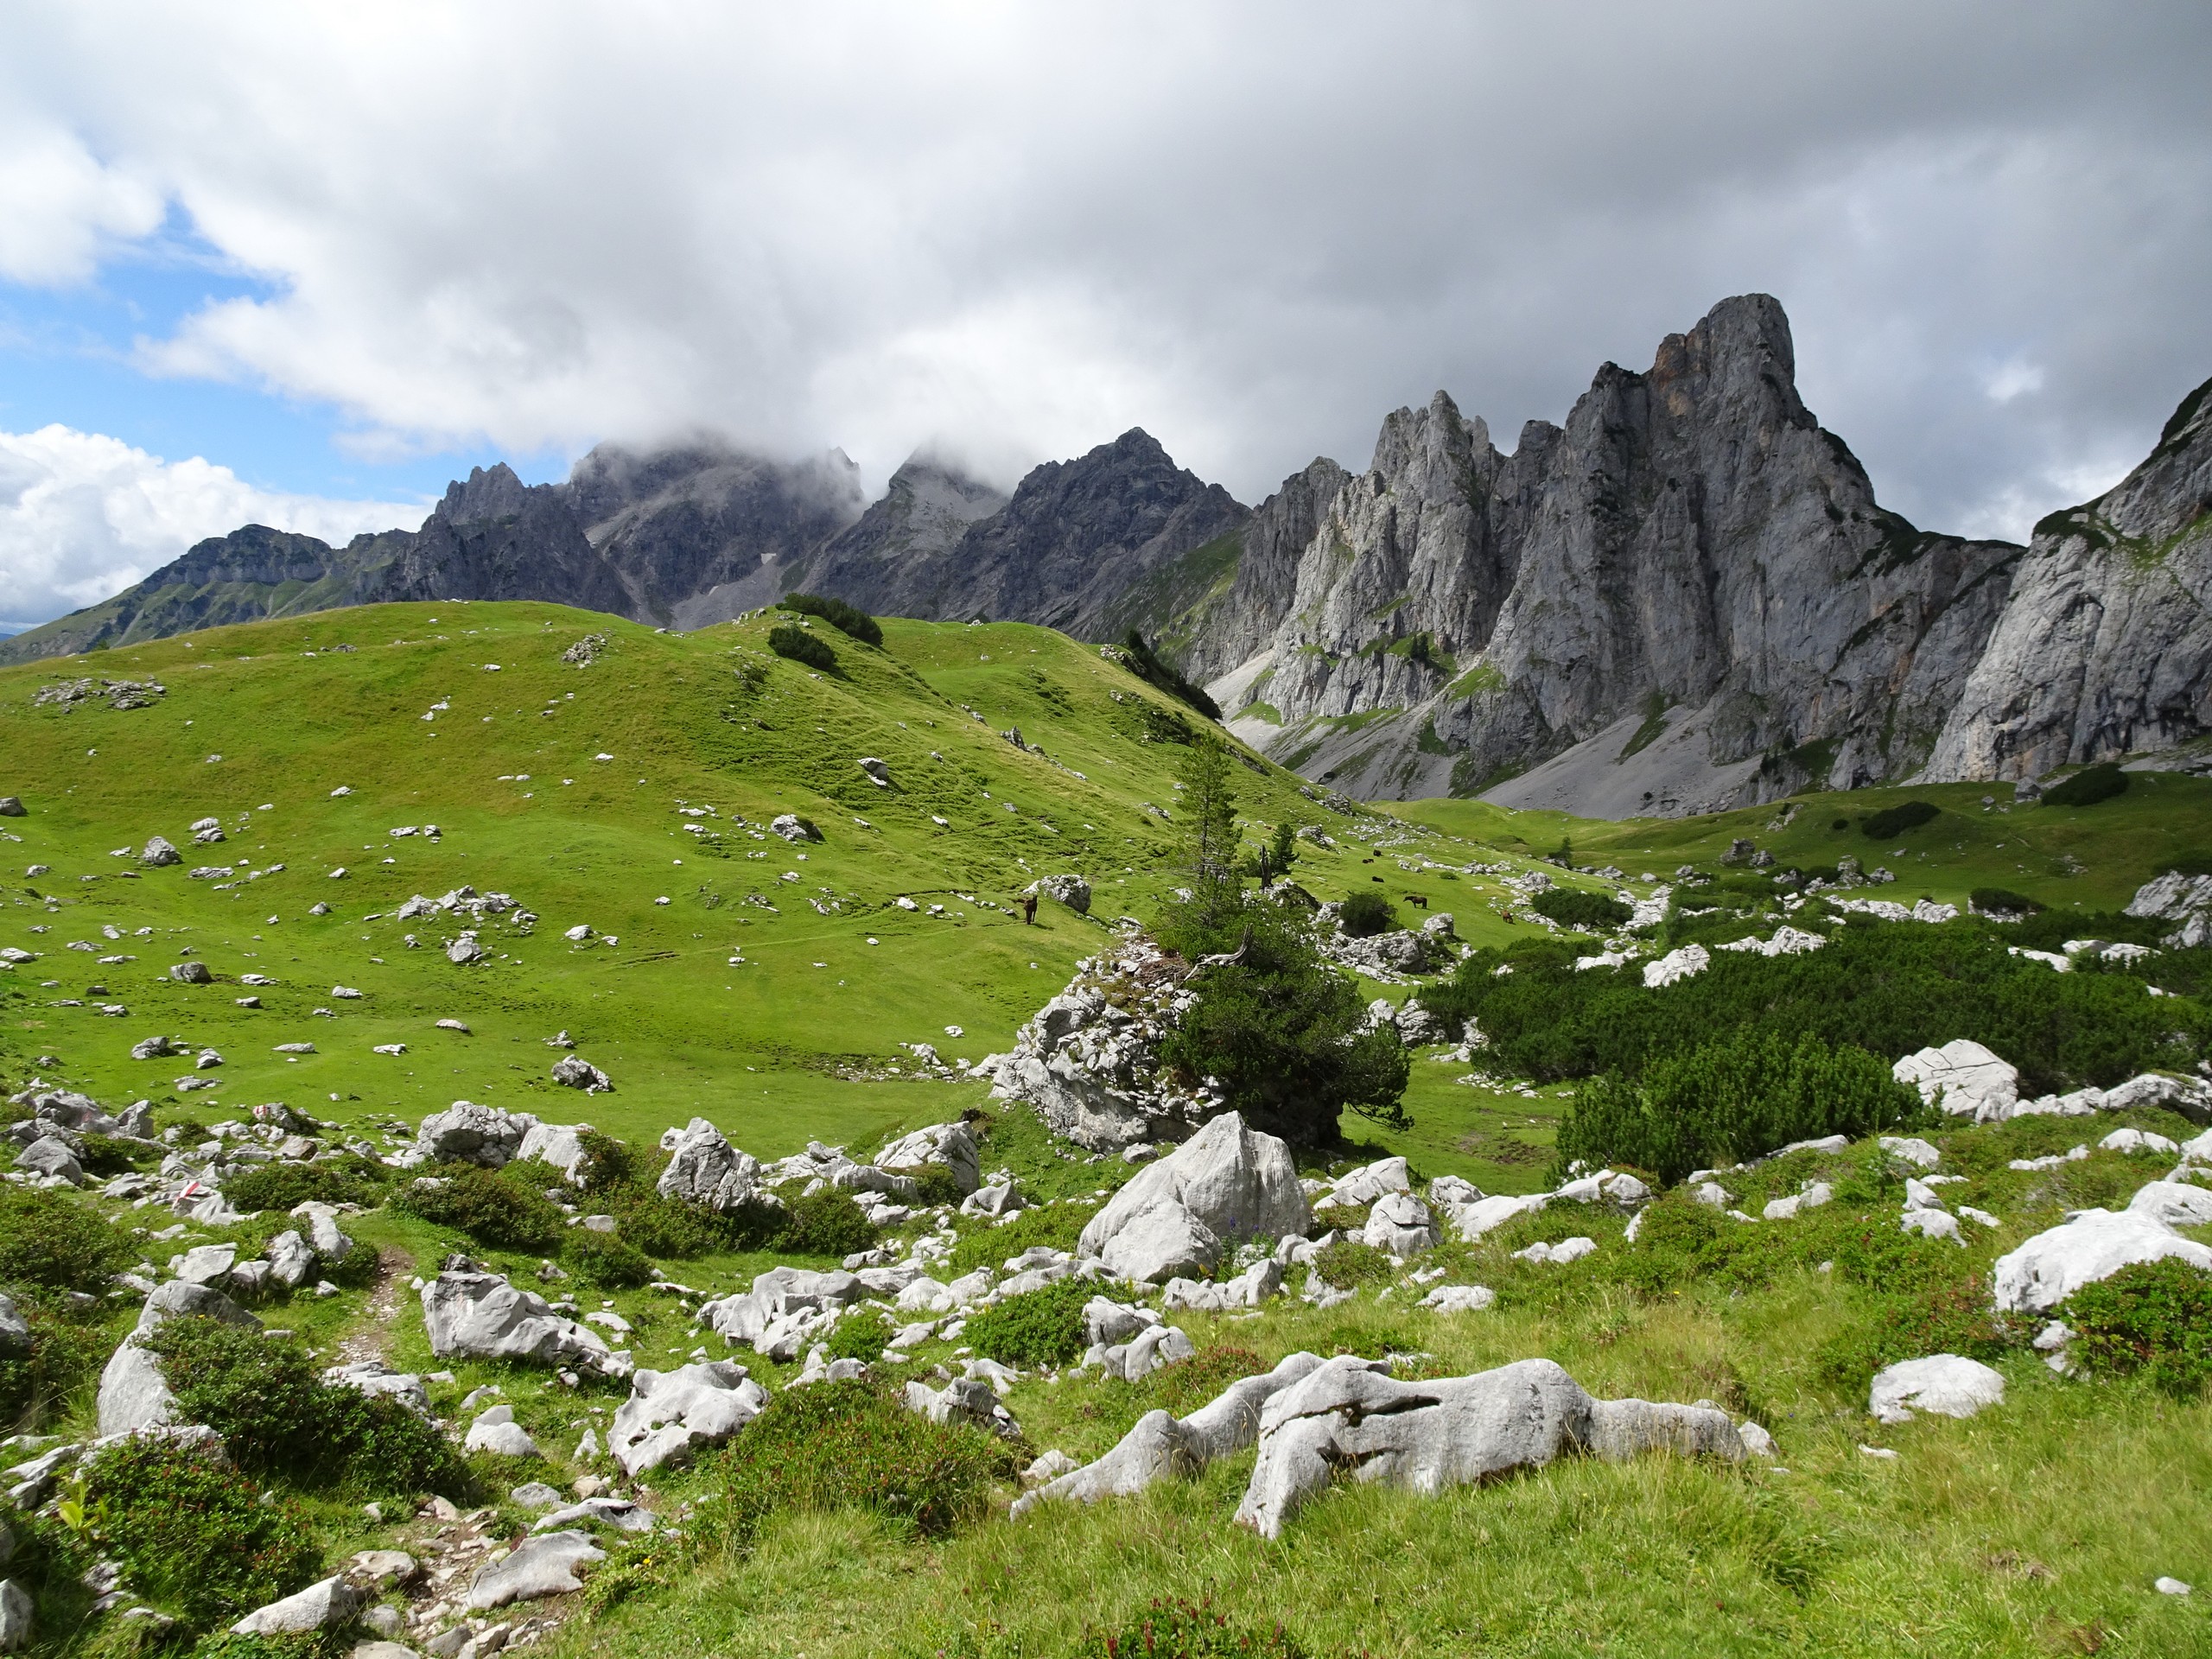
column 535, row 1132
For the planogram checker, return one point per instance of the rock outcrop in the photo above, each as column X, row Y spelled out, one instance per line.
column 1176, row 1217
column 2106, row 645
column 1349, row 1415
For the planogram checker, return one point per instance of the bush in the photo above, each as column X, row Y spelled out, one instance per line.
column 2154, row 1318
column 861, row 1334
column 1143, row 661
column 607, row 1162
column 103, row 1154
column 1055, row 1226
column 192, row 1535
column 1365, row 914
column 67, row 1349
column 605, row 1260
column 2088, row 786
column 675, row 1231
column 57, row 1243
column 278, row 1418
column 1894, row 821
column 284, row 1186
column 827, row 1223
column 1598, row 912
column 498, row 1212
column 1185, row 1629
column 1347, row 1263
column 1887, row 988
column 1735, row 1099
column 1285, row 1033
column 788, row 639
column 2002, row 901
column 1955, row 1319
column 849, row 1445
column 848, row 619
column 1037, row 1328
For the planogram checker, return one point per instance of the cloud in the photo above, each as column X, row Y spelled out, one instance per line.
column 82, row 516
column 1254, row 228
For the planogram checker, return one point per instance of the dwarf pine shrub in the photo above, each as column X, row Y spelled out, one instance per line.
column 789, row 640
column 606, row 1260
column 1037, row 1328
column 496, row 1211
column 2154, row 1318
column 55, row 1243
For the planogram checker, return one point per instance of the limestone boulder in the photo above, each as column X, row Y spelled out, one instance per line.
column 481, row 1316
column 561, row 1145
column 469, row 1134
column 1963, row 1078
column 948, row 1146
column 545, row 1565
column 670, row 1414
column 1400, row 1223
column 1349, row 1416
column 704, row 1168
column 2089, row 1248
column 1226, row 1183
column 1947, row 1384
column 332, row 1603
column 133, row 1394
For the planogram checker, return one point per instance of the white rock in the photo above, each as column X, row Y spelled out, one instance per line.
column 705, row 1169
column 1227, row 1182
column 1677, row 965
column 468, row 1132
column 561, row 1145
column 1933, row 1223
column 498, row 1433
column 1963, row 1078
column 18, row 1616
column 2087, row 1248
column 2178, row 1204
column 670, row 1414
column 1567, row 1249
column 1471, row 1221
column 543, row 1565
column 334, row 1601
column 1400, row 1224
column 1912, row 1149
column 2139, row 1140
column 1247, row 1289
column 1459, row 1299
column 1948, row 1384
column 2166, row 1586
column 133, row 1394
column 481, row 1316
column 1349, row 1416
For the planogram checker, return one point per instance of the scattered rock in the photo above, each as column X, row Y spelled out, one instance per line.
column 1459, row 1299
column 498, row 1433
column 792, row 827
column 191, row 972
column 704, row 1168
column 468, row 1132
column 159, row 852
column 545, row 1565
column 573, row 1072
column 947, row 1146
column 1948, row 1384
column 1400, row 1224
column 133, row 1395
column 481, row 1316
column 1070, row 889
column 334, row 1602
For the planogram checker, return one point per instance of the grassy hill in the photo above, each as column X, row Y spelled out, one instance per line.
column 773, row 993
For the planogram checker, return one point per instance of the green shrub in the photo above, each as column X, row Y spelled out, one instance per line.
column 228, row 1644
column 1037, row 1328
column 607, row 1162
column 2154, row 1318
column 68, row 1347
column 2088, row 786
column 56, row 1243
column 789, row 640
column 1178, row 1629
column 827, row 1223
column 848, row 619
column 194, row 1535
column 861, row 1334
column 278, row 1418
column 849, row 1445
column 357, row 1267
column 1346, row 1263
column 675, row 1231
column 1141, row 660
column 1882, row 988
column 1055, row 1226
column 2002, row 901
column 1894, row 821
column 499, row 1213
column 284, row 1186
column 1596, row 912
column 934, row 1183
column 1955, row 1318
column 1365, row 914
column 103, row 1154
column 606, row 1260
column 1285, row 1033
column 1735, row 1099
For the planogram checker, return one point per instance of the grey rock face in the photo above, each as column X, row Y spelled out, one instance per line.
column 704, row 1168
column 670, row 1414
column 133, row 1394
column 1226, row 1183
column 15, row 1339
column 468, row 1132
column 1690, row 539
column 17, row 1617
column 920, row 519
column 50, row 1155
column 2105, row 645
column 573, row 1072
column 1350, row 1414
column 950, row 1145
column 545, row 1565
column 481, row 1316
column 334, row 1601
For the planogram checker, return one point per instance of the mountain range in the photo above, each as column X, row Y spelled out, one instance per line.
column 1684, row 598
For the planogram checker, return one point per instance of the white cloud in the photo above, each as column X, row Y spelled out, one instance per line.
column 1253, row 228
column 82, row 516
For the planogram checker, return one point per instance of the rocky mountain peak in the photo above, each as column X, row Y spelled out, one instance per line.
column 487, row 494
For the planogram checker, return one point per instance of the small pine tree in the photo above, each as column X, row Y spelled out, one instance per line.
column 1209, row 842
column 1282, row 851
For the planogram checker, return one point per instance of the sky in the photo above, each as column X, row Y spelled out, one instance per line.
column 301, row 264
